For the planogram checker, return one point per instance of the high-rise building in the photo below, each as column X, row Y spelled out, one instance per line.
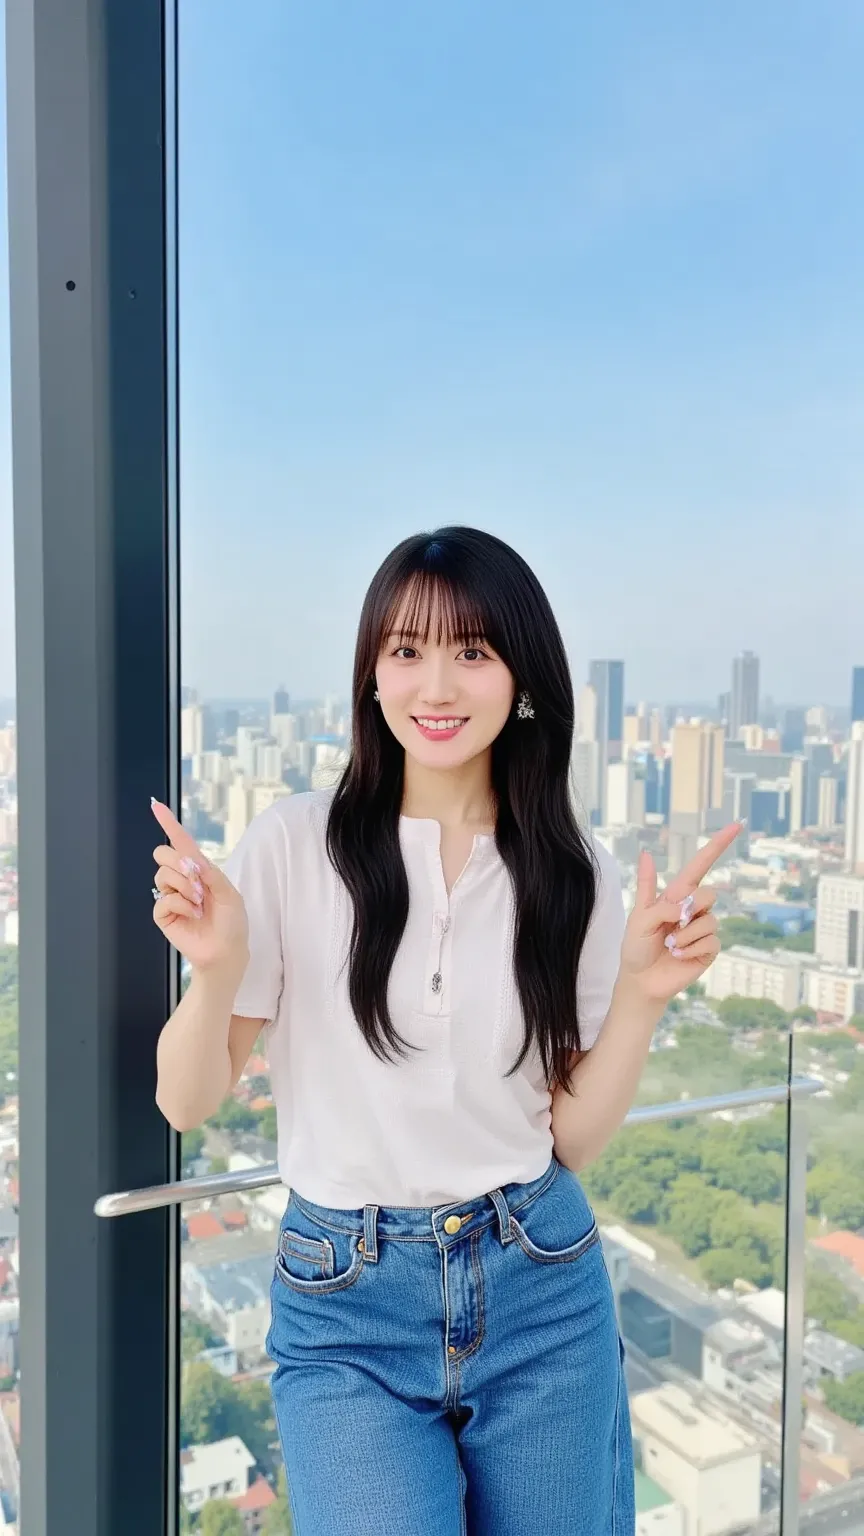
column 840, row 921
column 696, row 799
column 632, row 737
column 794, row 730
column 586, row 714
column 857, row 693
column 828, row 813
column 607, row 680
column 625, row 794
column 744, row 701
column 855, row 800
column 819, row 756
column 584, row 768
column 191, row 730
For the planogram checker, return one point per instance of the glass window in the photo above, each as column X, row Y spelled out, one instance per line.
column 593, row 285
column 9, row 1303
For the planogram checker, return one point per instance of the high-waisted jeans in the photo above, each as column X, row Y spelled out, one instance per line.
column 451, row 1371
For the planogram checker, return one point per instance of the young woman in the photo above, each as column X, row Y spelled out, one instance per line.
column 454, row 1028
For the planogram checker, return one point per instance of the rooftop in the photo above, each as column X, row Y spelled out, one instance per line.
column 832, row 1354
column 239, row 1283
column 846, row 1245
column 704, row 1439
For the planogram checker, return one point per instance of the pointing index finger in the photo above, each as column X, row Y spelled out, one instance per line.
column 176, row 834
column 694, row 873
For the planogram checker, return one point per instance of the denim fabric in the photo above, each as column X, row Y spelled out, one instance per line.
column 435, row 1383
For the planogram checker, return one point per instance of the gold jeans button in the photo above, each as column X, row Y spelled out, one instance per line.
column 452, row 1224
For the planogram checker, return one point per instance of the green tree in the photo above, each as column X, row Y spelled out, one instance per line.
column 267, row 1122
column 219, row 1517
column 688, row 1213
column 752, row 1013
column 231, row 1116
column 192, row 1145
column 719, row 1266
column 746, row 930
column 210, row 1407
column 258, row 1425
column 196, row 1335
column 214, row 1408
column 638, row 1201
column 847, row 1397
column 835, row 1189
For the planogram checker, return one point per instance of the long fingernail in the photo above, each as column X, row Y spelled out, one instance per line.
column 686, row 911
column 670, row 942
column 153, row 801
column 190, row 867
column 677, row 954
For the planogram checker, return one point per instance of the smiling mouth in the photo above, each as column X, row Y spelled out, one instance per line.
column 444, row 726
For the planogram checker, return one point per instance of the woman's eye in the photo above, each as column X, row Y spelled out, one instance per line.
column 473, row 653
column 407, row 652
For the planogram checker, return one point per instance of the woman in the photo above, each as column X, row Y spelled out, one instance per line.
column 454, row 1028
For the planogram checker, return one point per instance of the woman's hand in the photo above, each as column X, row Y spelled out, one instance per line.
column 671, row 940
column 199, row 911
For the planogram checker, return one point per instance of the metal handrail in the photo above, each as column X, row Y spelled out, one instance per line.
column 128, row 1202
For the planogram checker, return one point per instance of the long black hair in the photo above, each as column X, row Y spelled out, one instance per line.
column 475, row 588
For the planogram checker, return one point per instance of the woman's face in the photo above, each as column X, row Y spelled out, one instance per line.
column 444, row 703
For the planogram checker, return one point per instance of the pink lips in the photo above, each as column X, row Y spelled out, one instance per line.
column 436, row 735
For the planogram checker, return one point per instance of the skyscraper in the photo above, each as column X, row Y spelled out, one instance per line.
column 857, row 693
column 697, row 786
column 744, row 700
column 607, row 680
column 855, row 801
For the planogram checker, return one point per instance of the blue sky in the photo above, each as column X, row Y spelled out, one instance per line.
column 590, row 277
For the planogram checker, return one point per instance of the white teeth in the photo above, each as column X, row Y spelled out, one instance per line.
column 439, row 725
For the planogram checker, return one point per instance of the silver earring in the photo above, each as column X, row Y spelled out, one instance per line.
column 525, row 709
column 375, row 694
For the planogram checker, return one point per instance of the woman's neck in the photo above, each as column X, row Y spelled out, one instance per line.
column 455, row 797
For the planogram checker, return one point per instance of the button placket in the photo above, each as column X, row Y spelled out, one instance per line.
column 441, row 924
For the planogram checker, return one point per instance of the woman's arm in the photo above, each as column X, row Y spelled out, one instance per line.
column 668, row 944
column 604, row 1080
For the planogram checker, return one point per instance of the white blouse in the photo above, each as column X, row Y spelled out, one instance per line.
column 445, row 1123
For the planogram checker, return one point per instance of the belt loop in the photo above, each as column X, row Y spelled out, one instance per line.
column 504, row 1222
column 370, row 1233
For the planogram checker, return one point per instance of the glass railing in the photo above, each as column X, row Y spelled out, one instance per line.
column 702, row 1205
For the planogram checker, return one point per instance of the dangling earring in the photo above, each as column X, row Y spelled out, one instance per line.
column 375, row 694
column 525, row 709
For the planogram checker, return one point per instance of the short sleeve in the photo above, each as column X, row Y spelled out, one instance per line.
column 258, row 867
column 601, row 952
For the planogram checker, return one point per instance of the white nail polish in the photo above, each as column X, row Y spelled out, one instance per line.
column 670, row 941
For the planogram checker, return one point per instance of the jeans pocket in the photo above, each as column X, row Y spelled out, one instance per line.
column 558, row 1226
column 312, row 1261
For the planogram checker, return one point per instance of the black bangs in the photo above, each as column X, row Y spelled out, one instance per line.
column 429, row 603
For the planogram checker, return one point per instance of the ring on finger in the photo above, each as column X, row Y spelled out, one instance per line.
column 157, row 894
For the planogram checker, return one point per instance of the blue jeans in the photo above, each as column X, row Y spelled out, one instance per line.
column 438, row 1382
